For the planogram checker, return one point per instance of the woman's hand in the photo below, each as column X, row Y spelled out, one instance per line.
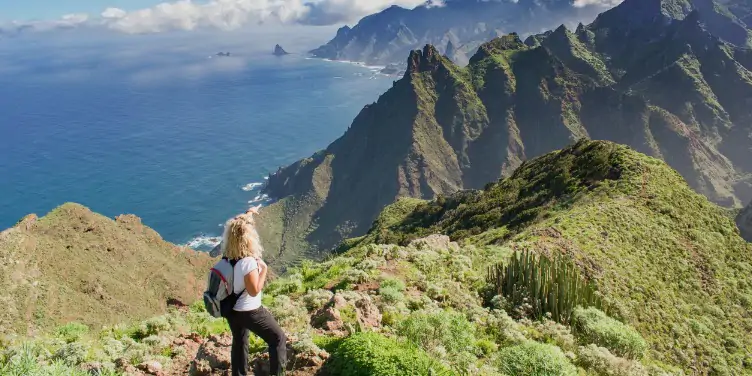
column 261, row 264
column 253, row 210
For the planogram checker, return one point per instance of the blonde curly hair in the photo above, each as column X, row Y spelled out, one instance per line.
column 240, row 238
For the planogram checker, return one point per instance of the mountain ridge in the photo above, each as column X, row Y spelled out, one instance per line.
column 76, row 265
column 669, row 89
column 386, row 37
column 460, row 27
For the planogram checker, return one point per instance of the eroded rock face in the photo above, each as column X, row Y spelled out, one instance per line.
column 212, row 356
column 744, row 221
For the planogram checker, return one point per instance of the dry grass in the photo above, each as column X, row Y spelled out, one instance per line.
column 76, row 265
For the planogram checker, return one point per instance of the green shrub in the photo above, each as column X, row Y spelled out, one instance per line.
column 390, row 295
column 112, row 347
column 71, row 332
column 431, row 330
column 600, row 361
column 291, row 316
column 27, row 361
column 152, row 326
column 591, row 325
column 535, row 359
column 354, row 276
column 288, row 285
column 316, row 299
column 372, row 354
column 197, row 307
column 71, row 354
column 393, row 283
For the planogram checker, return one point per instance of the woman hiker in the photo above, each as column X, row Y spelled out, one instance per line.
column 240, row 244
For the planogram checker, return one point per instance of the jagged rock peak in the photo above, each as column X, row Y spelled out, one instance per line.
column 561, row 29
column 507, row 42
column 342, row 31
column 428, row 60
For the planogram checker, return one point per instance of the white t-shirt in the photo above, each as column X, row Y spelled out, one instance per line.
column 246, row 302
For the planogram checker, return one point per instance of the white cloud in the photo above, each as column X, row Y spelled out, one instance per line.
column 603, row 3
column 232, row 14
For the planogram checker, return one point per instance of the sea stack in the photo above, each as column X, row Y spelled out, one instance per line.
column 279, row 51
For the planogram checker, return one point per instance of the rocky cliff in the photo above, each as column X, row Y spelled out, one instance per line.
column 649, row 74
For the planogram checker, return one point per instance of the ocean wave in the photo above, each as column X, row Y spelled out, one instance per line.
column 373, row 68
column 204, row 242
column 260, row 199
column 251, row 186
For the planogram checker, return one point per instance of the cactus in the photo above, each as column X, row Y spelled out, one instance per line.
column 552, row 287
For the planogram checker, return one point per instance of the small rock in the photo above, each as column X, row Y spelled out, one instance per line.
column 195, row 337
column 151, row 367
column 121, row 363
column 93, row 368
column 327, row 318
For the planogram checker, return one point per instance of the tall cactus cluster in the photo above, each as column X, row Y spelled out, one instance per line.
column 549, row 286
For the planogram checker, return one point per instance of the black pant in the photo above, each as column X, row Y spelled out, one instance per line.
column 261, row 322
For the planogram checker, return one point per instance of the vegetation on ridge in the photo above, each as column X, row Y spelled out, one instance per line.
column 670, row 266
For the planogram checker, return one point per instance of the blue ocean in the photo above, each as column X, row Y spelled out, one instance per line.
column 162, row 127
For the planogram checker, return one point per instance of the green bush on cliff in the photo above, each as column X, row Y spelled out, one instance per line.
column 375, row 355
column 440, row 329
column 71, row 332
column 593, row 326
column 535, row 359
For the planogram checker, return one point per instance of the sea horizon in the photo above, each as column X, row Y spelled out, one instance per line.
column 182, row 138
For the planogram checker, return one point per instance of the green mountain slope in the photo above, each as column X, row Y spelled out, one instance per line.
column 665, row 86
column 76, row 265
column 670, row 262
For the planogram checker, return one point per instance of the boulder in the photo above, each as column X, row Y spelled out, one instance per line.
column 213, row 355
column 151, row 367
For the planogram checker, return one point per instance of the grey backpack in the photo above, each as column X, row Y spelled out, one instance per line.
column 220, row 297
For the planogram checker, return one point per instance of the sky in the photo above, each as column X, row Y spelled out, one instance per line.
column 153, row 16
column 51, row 9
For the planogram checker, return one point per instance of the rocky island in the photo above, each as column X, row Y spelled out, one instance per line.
column 279, row 51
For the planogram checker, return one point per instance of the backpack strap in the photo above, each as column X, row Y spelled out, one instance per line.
column 222, row 277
